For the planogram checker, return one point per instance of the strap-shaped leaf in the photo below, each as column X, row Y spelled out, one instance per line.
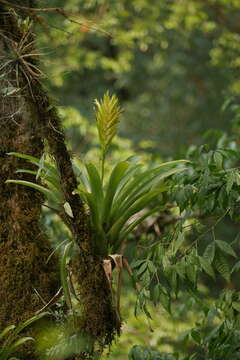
column 133, row 209
column 95, row 216
column 17, row 343
column 96, row 187
column 139, row 187
column 6, row 331
column 51, row 195
column 64, row 272
column 141, row 178
column 17, row 330
column 37, row 162
column 82, row 176
column 115, row 178
column 49, row 180
column 126, row 231
column 130, row 174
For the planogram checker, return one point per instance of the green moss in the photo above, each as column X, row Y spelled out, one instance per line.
column 98, row 317
column 23, row 245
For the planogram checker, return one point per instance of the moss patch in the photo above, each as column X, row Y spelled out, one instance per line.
column 23, row 245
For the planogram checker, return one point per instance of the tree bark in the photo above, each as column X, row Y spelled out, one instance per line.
column 25, row 277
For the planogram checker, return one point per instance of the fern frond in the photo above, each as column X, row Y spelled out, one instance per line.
column 107, row 113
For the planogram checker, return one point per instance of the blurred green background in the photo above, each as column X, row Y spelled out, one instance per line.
column 171, row 63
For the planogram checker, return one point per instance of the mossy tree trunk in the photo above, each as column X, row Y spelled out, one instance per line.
column 24, row 248
column 27, row 119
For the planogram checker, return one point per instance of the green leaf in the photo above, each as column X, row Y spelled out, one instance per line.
column 196, row 336
column 17, row 330
column 56, row 249
column 17, row 343
column 209, row 253
column 47, row 172
column 48, row 193
column 20, row 342
column 191, row 272
column 146, row 311
column 137, row 263
column 133, row 209
column 51, row 181
column 140, row 352
column 173, row 279
column 81, row 175
column 141, row 270
column 226, row 247
column 180, row 268
column 206, row 266
column 178, row 243
column 230, row 182
column 218, row 158
column 155, row 293
column 236, row 267
column 128, row 229
column 237, row 178
column 36, row 161
column 26, row 171
column 132, row 172
column 141, row 183
column 165, row 301
column 64, row 272
column 236, row 305
column 222, row 266
column 151, row 266
column 116, row 176
column 96, row 187
column 6, row 330
column 154, row 178
column 94, row 210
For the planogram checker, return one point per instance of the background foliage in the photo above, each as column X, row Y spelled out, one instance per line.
column 171, row 63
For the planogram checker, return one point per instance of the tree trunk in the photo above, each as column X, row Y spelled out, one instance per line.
column 25, row 277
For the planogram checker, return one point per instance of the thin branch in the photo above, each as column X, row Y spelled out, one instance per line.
column 30, row 9
column 57, row 10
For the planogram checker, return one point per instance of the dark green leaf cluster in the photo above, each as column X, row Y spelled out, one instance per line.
column 140, row 352
column 211, row 184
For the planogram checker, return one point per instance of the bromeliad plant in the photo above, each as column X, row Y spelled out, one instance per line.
column 130, row 189
column 117, row 202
